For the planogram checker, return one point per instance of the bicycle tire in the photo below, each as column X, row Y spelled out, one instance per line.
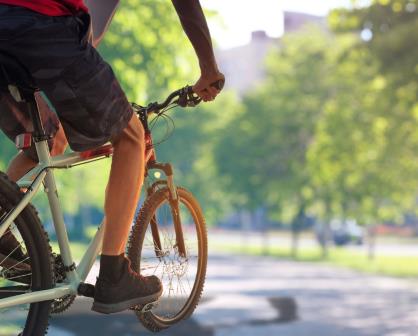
column 28, row 229
column 153, row 320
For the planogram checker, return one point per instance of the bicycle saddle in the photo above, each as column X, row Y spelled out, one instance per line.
column 15, row 74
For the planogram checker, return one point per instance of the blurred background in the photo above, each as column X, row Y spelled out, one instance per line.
column 306, row 165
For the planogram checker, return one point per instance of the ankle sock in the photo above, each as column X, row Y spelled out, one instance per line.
column 111, row 267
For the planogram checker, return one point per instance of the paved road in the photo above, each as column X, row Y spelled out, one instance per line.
column 243, row 297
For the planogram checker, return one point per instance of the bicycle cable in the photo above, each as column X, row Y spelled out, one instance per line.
column 169, row 129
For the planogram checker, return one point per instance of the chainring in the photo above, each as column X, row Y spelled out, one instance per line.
column 61, row 304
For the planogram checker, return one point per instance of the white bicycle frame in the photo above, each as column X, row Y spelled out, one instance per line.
column 43, row 174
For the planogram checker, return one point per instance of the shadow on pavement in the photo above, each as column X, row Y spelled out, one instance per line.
column 81, row 321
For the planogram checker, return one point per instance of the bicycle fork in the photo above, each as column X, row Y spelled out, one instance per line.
column 175, row 212
column 175, row 209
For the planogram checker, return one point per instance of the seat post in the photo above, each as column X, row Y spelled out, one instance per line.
column 35, row 116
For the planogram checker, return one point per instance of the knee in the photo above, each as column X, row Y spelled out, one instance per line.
column 133, row 135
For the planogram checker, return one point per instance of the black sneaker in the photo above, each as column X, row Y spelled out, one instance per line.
column 131, row 290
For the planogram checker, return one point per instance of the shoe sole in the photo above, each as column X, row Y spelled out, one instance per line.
column 109, row 308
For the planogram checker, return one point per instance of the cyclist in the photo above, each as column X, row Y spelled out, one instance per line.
column 52, row 38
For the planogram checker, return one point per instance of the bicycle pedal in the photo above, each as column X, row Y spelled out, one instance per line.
column 149, row 306
column 86, row 289
column 146, row 308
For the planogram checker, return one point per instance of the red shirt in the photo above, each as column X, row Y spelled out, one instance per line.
column 50, row 7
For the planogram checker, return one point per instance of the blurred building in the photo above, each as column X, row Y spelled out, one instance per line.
column 294, row 21
column 244, row 65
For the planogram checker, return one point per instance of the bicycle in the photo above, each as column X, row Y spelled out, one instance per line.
column 168, row 236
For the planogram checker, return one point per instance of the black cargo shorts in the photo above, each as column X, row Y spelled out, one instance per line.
column 79, row 84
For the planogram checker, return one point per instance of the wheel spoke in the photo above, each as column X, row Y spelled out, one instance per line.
column 4, row 258
column 22, row 265
column 182, row 277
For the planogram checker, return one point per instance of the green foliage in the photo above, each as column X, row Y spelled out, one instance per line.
column 269, row 140
column 147, row 49
column 192, row 149
column 333, row 128
column 366, row 140
column 393, row 25
column 7, row 151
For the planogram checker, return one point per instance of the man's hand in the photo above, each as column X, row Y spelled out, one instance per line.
column 203, row 86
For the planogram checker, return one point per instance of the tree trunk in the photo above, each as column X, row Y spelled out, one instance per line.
column 325, row 232
column 371, row 242
column 295, row 239
column 325, row 240
column 297, row 224
column 245, row 228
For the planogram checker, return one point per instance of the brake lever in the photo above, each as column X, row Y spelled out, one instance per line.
column 182, row 100
column 193, row 99
column 187, row 98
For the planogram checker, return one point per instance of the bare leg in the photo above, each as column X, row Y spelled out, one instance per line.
column 19, row 166
column 118, row 287
column 124, row 186
column 21, row 163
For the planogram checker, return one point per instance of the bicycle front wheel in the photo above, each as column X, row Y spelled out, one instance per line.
column 182, row 276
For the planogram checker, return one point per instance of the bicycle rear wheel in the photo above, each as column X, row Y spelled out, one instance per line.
column 25, row 266
column 183, row 277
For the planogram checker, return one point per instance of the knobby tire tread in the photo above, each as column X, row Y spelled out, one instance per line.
column 135, row 247
column 32, row 232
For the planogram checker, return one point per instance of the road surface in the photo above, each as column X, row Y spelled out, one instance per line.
column 243, row 296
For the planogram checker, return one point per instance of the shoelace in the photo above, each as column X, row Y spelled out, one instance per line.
column 134, row 275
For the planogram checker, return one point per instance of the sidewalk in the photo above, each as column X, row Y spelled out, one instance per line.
column 240, row 295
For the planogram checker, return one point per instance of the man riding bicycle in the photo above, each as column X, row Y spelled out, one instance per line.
column 53, row 39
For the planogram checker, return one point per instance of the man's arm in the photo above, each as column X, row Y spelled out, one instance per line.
column 194, row 24
column 101, row 12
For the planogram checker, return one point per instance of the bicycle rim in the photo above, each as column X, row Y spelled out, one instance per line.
column 182, row 277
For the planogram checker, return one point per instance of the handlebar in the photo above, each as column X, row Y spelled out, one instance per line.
column 185, row 97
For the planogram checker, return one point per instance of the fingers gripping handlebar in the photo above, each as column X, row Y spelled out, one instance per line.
column 188, row 98
column 183, row 97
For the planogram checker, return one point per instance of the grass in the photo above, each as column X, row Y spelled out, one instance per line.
column 397, row 266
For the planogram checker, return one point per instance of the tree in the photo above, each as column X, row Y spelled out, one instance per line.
column 363, row 156
column 192, row 148
column 274, row 132
column 147, row 49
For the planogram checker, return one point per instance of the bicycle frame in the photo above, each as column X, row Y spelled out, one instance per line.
column 43, row 174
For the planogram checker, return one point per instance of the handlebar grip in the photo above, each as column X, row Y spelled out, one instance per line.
column 219, row 84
